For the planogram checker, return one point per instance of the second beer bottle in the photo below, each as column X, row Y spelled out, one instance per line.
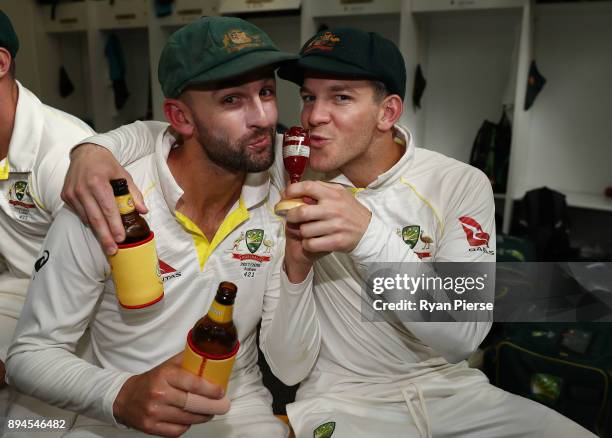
column 212, row 344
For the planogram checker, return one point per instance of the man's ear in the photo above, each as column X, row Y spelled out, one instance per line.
column 391, row 109
column 179, row 116
column 5, row 62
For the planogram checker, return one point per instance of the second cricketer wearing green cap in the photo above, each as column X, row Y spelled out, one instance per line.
column 366, row 371
column 209, row 195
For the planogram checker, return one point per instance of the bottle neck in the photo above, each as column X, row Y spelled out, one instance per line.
column 220, row 313
column 125, row 203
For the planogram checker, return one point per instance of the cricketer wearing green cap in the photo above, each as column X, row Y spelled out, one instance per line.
column 366, row 371
column 35, row 141
column 209, row 194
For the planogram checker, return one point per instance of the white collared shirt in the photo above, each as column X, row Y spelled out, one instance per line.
column 74, row 288
column 31, row 179
column 427, row 193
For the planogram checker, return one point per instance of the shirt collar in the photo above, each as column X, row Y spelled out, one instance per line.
column 27, row 131
column 401, row 135
column 255, row 189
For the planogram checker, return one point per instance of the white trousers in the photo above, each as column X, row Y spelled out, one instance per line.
column 441, row 409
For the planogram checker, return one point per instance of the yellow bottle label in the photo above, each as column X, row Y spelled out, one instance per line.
column 220, row 313
column 213, row 370
column 125, row 203
column 136, row 275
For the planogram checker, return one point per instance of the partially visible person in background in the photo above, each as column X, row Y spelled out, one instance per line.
column 35, row 140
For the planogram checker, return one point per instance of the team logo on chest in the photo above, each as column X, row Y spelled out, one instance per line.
column 417, row 239
column 253, row 249
column 253, row 239
column 19, row 198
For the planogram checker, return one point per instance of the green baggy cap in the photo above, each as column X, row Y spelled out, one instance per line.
column 350, row 53
column 213, row 49
column 8, row 37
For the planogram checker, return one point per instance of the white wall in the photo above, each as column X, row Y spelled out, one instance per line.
column 468, row 64
column 570, row 136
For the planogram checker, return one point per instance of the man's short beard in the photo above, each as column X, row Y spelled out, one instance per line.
column 235, row 157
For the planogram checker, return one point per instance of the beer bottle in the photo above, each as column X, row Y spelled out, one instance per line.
column 212, row 344
column 136, row 228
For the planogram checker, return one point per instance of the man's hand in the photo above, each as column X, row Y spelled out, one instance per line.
column 88, row 192
column 154, row 402
column 336, row 222
column 2, row 375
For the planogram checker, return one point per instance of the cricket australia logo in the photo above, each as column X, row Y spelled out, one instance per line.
column 19, row 195
column 416, row 238
column 256, row 250
column 411, row 234
column 254, row 239
column 19, row 198
column 238, row 39
column 325, row 430
column 324, row 42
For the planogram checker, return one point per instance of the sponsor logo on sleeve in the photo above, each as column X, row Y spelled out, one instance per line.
column 42, row 261
column 477, row 238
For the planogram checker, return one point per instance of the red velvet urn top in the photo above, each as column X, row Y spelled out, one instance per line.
column 296, row 150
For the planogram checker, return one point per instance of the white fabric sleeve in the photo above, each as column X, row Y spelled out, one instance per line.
column 293, row 338
column 48, row 181
column 128, row 143
column 61, row 300
column 472, row 197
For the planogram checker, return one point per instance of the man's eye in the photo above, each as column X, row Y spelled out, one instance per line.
column 342, row 97
column 307, row 98
column 267, row 92
column 230, row 99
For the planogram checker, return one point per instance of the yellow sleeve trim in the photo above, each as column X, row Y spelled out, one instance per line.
column 204, row 248
column 422, row 198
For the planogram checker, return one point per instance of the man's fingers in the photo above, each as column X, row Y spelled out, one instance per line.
column 187, row 382
column 320, row 244
column 312, row 189
column 204, row 405
column 293, row 230
column 311, row 230
column 307, row 213
column 176, row 415
column 103, row 195
column 138, row 199
column 97, row 222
